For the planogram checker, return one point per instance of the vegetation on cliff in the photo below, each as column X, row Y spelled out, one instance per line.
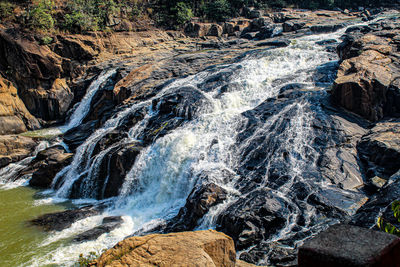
column 78, row 16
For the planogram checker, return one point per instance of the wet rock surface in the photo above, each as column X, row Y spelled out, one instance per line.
column 47, row 164
column 108, row 224
column 60, row 220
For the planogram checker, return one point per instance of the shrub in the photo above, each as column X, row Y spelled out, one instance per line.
column 40, row 16
column 388, row 227
column 182, row 13
column 6, row 10
column 88, row 15
column 46, row 40
column 218, row 10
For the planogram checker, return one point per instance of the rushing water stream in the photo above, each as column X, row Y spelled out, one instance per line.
column 165, row 171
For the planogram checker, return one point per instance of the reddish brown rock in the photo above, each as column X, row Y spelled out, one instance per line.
column 201, row 248
column 14, row 117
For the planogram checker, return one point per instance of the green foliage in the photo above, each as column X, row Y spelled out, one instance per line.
column 85, row 261
column 182, row 13
column 40, row 17
column 46, row 40
column 218, row 10
column 6, row 10
column 91, row 15
column 388, row 227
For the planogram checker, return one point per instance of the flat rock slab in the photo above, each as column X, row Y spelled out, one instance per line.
column 346, row 245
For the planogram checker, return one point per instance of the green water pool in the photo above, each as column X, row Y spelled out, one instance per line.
column 20, row 242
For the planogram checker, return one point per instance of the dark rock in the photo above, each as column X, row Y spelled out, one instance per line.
column 47, row 164
column 248, row 35
column 254, row 14
column 61, row 220
column 253, row 218
column 265, row 33
column 380, row 149
column 215, row 30
column 198, row 203
column 277, row 43
column 347, row 245
column 379, row 204
column 326, row 28
column 113, row 168
column 76, row 136
column 108, row 224
column 290, row 26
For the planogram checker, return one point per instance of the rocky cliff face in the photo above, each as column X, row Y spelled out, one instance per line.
column 368, row 76
column 14, row 116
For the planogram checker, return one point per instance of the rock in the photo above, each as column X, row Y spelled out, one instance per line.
column 347, row 245
column 108, row 224
column 257, row 24
column 14, row 148
column 47, row 164
column 76, row 136
column 76, row 48
column 265, row 33
column 50, row 104
column 197, row 29
column 392, row 107
column 380, row 149
column 255, row 14
column 14, row 117
column 59, row 221
column 113, row 168
column 253, row 218
column 379, row 205
column 201, row 248
column 229, row 28
column 362, row 84
column 248, row 35
column 198, row 203
column 215, row 30
column 326, row 28
column 277, row 43
column 290, row 26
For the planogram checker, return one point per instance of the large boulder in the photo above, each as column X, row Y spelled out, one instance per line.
column 201, row 248
column 197, row 29
column 15, row 148
column 14, row 117
column 349, row 246
column 47, row 164
column 198, row 203
column 380, row 149
column 362, row 84
column 367, row 80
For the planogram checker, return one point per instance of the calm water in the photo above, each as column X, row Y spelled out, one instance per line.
column 20, row 242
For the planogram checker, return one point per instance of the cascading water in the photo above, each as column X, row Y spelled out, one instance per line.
column 166, row 170
column 83, row 107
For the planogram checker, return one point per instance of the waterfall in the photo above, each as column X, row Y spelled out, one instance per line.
column 167, row 169
column 83, row 106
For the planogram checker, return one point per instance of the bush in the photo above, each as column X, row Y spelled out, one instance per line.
column 388, row 227
column 6, row 11
column 77, row 22
column 182, row 13
column 40, row 16
column 219, row 10
column 89, row 15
